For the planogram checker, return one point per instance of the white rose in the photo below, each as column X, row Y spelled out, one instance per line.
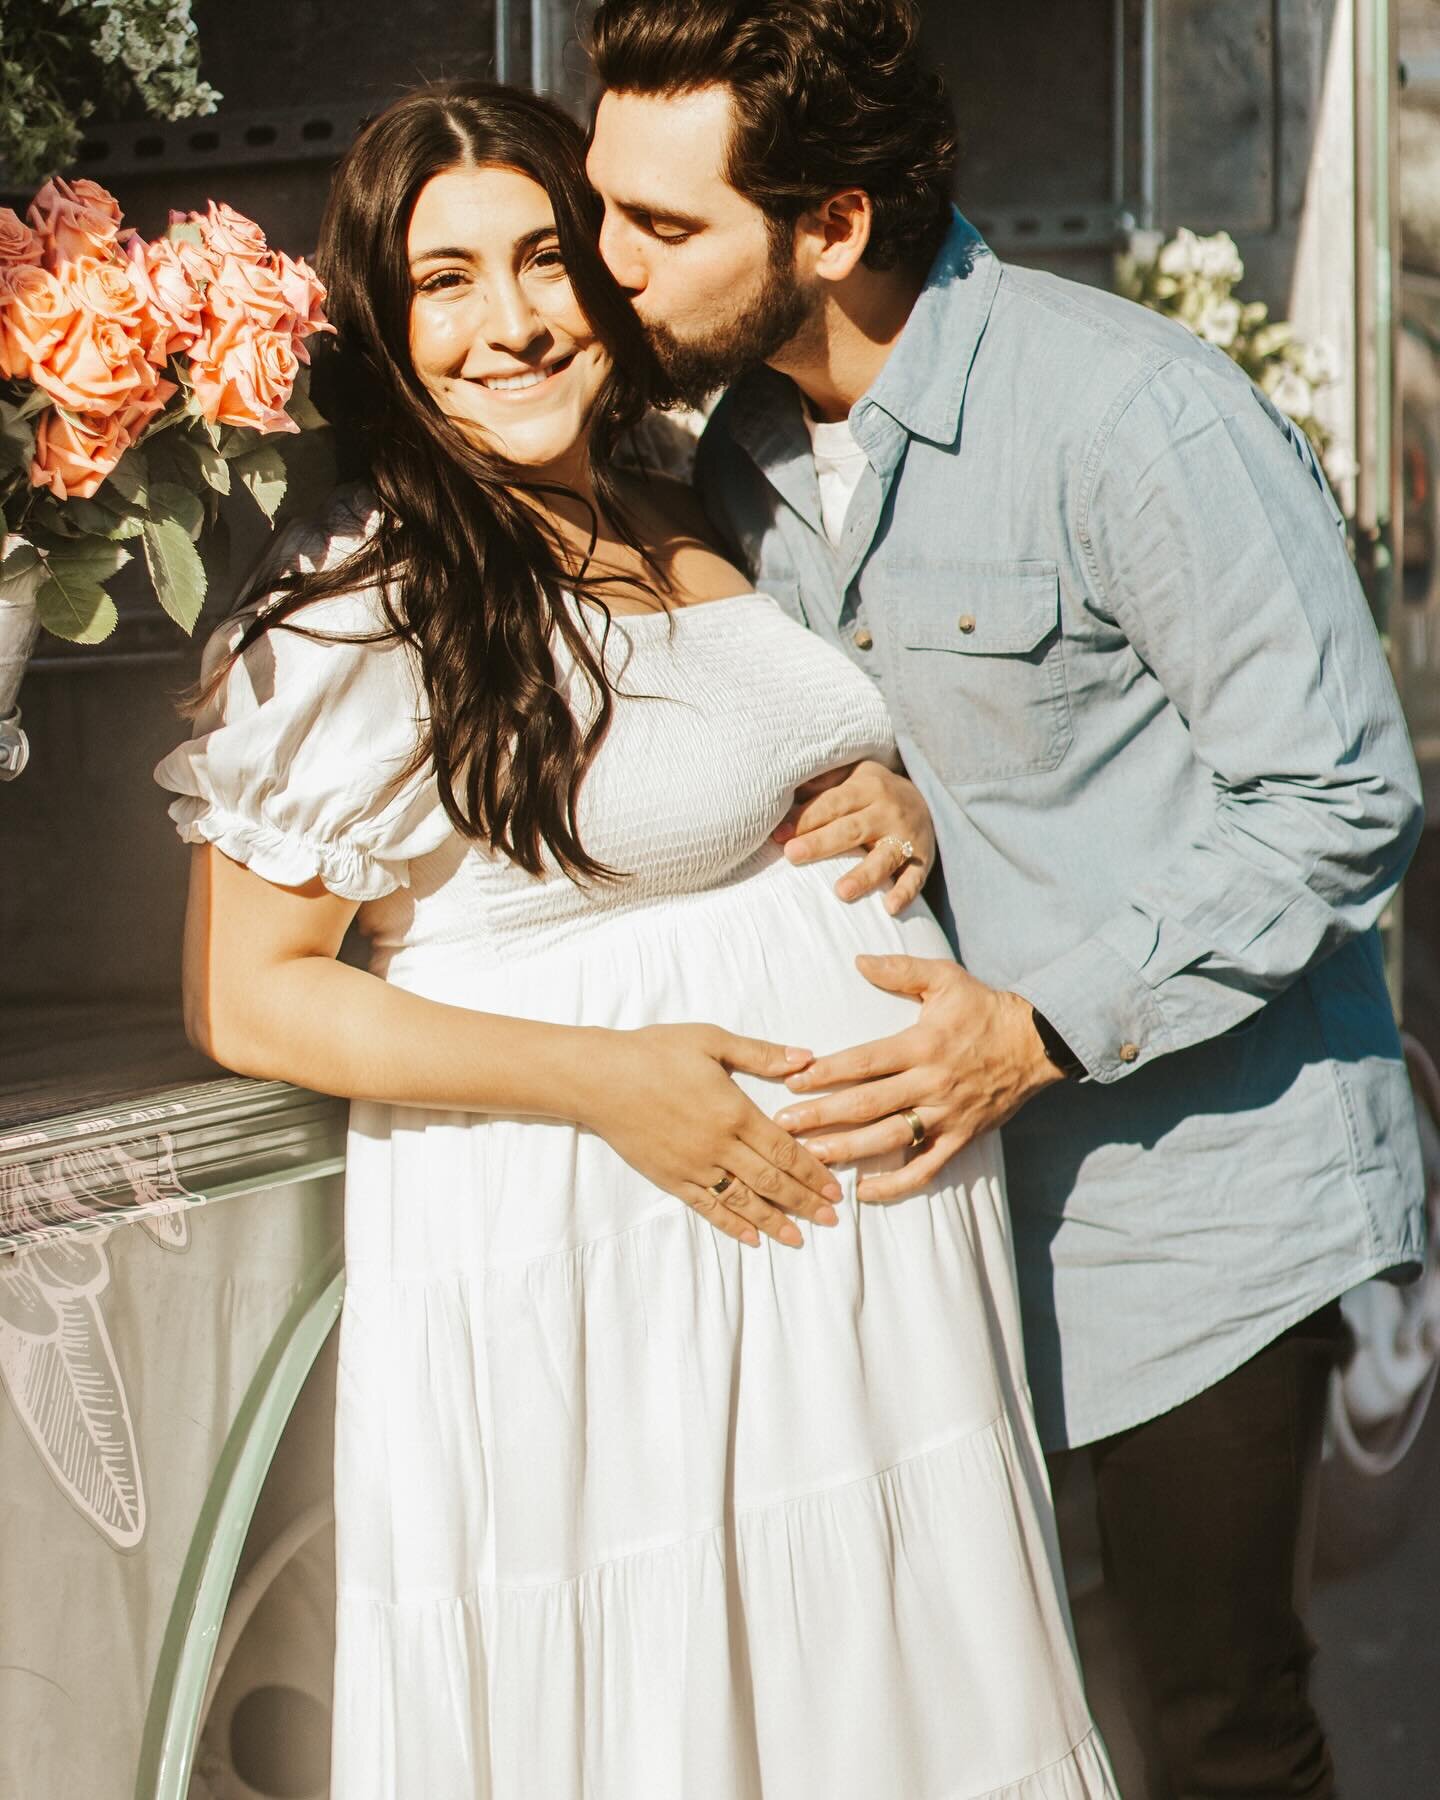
column 1219, row 322
column 109, row 40
column 1179, row 256
column 1145, row 246
column 1217, row 258
column 1290, row 391
column 1317, row 364
column 1272, row 338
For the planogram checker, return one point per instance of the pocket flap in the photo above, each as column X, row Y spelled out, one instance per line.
column 986, row 610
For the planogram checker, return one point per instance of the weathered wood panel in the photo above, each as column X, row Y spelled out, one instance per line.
column 1217, row 113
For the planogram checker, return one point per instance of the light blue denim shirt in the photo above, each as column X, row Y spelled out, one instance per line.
column 1106, row 594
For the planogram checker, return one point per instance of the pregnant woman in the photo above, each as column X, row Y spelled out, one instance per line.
column 639, row 1495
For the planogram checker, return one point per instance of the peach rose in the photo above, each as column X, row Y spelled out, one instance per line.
column 99, row 364
column 18, row 243
column 305, row 296
column 104, row 289
column 243, row 374
column 75, row 219
column 167, row 282
column 227, row 233
column 254, row 286
column 37, row 312
column 74, row 453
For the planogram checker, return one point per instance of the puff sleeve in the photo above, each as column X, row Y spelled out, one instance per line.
column 297, row 768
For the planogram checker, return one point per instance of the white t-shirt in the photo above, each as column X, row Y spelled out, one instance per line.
column 839, row 464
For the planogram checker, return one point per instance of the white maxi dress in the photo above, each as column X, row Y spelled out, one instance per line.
column 626, row 1510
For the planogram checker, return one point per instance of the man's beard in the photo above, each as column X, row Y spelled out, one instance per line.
column 697, row 368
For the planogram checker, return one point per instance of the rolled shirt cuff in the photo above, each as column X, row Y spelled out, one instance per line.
column 1104, row 1011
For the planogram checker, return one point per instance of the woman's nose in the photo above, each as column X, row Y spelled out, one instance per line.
column 511, row 321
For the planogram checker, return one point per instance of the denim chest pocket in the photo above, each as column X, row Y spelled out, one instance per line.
column 981, row 673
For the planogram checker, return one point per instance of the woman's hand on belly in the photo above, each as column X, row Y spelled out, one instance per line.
column 662, row 1097
column 867, row 807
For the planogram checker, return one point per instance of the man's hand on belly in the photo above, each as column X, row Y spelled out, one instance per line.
column 971, row 1060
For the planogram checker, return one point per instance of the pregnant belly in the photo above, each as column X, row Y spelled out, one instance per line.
column 770, row 957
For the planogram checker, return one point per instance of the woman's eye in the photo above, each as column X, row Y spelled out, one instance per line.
column 670, row 237
column 551, row 261
column 435, row 284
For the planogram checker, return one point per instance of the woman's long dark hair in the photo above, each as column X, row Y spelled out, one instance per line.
column 470, row 574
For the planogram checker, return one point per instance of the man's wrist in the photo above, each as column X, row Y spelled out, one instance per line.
column 1058, row 1054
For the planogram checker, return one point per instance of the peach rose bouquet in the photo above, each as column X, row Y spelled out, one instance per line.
column 141, row 382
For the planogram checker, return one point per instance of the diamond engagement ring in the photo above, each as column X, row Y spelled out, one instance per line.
column 903, row 848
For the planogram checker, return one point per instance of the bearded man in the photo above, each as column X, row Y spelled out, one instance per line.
column 1105, row 592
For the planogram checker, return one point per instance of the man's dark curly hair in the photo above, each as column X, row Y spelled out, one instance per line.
column 828, row 95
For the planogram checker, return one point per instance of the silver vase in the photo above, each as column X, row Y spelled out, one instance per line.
column 19, row 627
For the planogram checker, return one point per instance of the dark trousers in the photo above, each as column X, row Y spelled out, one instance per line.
column 1204, row 1536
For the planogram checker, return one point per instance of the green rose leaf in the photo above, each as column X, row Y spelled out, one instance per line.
column 172, row 504
column 34, row 402
column 174, row 458
column 76, row 609
column 72, row 602
column 17, row 438
column 263, row 472
column 130, row 478
column 92, row 517
column 90, row 558
column 175, row 568
column 21, row 560
column 214, row 468
column 301, row 408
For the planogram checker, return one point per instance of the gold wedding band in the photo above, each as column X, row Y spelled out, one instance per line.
column 904, row 849
column 723, row 1185
column 917, row 1130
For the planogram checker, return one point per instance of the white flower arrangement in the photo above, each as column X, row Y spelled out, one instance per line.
column 155, row 42
column 55, row 55
column 1191, row 279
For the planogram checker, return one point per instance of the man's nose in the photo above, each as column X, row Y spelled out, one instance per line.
column 618, row 247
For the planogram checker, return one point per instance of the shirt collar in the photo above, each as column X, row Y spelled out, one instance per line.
column 922, row 385
column 767, row 421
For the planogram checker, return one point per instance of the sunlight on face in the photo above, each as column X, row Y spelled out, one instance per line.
column 692, row 251
column 497, row 335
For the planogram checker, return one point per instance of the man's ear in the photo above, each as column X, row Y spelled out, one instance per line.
column 838, row 231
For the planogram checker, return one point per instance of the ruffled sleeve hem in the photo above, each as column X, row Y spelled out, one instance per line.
column 286, row 858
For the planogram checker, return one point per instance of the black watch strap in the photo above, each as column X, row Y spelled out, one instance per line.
column 1056, row 1049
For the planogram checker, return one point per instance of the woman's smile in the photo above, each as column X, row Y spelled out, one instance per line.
column 527, row 380
column 497, row 335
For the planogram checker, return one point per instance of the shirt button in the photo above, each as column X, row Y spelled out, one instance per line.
column 1129, row 1053
column 864, row 640
column 966, row 622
